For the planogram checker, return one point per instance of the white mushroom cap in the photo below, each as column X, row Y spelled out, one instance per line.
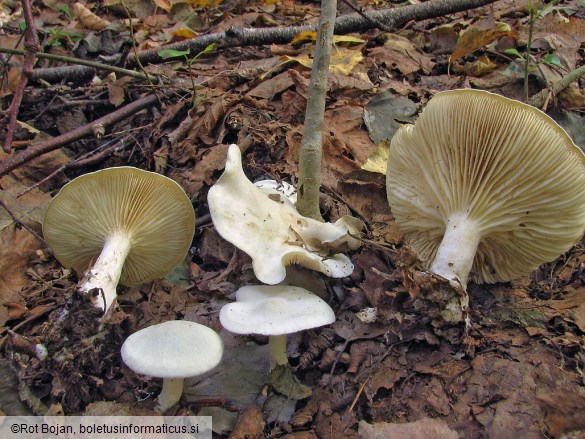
column 486, row 185
column 272, row 232
column 173, row 349
column 151, row 210
column 275, row 310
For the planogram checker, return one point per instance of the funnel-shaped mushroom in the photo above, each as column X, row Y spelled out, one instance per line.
column 486, row 188
column 173, row 351
column 272, row 232
column 136, row 225
column 275, row 311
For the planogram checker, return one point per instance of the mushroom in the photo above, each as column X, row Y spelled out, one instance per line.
column 173, row 351
column 275, row 311
column 272, row 232
column 138, row 224
column 485, row 188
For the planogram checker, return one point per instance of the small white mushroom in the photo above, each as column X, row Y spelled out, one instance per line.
column 136, row 225
column 272, row 232
column 485, row 188
column 275, row 311
column 173, row 351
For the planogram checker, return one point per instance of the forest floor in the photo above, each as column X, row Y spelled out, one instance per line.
column 517, row 371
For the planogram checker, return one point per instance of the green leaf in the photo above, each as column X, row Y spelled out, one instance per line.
column 22, row 25
column 66, row 11
column 208, row 49
column 553, row 60
column 513, row 52
column 171, row 53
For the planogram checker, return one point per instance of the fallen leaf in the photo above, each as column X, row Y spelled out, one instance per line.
column 476, row 68
column 204, row 3
column 378, row 161
column 478, row 35
column 571, row 307
column 311, row 35
column 401, row 54
column 564, row 411
column 421, row 429
column 87, row 19
column 136, row 8
column 343, row 60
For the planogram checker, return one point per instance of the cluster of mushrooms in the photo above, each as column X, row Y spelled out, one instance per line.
column 484, row 188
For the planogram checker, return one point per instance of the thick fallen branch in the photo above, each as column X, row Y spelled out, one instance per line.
column 79, row 133
column 239, row 37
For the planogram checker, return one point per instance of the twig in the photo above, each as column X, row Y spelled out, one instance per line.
column 310, row 153
column 83, row 62
column 239, row 37
column 86, row 130
column 539, row 99
column 32, row 46
column 19, row 223
column 87, row 159
column 375, row 22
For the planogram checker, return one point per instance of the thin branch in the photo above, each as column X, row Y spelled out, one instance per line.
column 79, row 133
column 32, row 46
column 539, row 99
column 310, row 153
column 376, row 23
column 19, row 223
column 83, row 62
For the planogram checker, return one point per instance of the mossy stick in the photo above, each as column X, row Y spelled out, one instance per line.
column 310, row 153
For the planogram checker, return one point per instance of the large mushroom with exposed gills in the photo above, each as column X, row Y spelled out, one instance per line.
column 485, row 188
column 119, row 225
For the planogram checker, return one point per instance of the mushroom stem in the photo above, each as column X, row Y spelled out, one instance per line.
column 455, row 255
column 277, row 348
column 171, row 392
column 107, row 270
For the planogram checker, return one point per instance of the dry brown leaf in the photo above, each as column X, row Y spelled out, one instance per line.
column 421, row 429
column 343, row 59
column 400, row 53
column 478, row 35
column 572, row 308
column 87, row 19
column 564, row 411
column 137, row 8
column 17, row 250
column 479, row 67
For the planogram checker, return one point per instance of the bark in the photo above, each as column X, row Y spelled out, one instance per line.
column 310, row 153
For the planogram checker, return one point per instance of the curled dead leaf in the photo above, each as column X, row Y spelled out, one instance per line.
column 87, row 19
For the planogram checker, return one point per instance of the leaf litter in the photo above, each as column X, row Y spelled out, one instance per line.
column 517, row 371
